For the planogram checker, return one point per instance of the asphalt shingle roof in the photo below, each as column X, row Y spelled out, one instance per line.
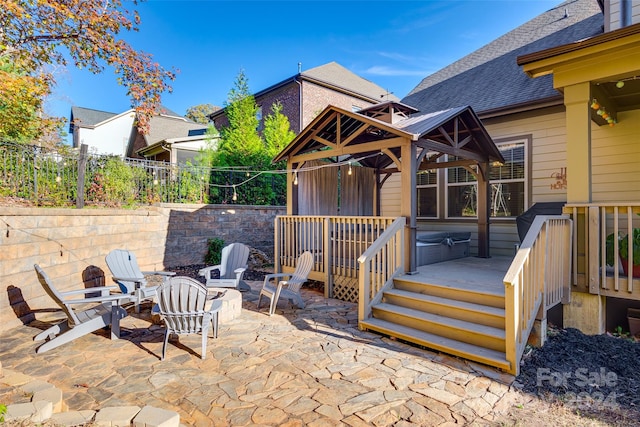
column 89, row 117
column 163, row 127
column 490, row 78
column 338, row 76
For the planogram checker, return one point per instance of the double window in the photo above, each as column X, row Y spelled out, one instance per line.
column 508, row 186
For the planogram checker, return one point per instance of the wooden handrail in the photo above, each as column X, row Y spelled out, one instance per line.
column 537, row 279
column 378, row 266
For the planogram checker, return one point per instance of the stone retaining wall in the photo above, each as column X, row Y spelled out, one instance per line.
column 69, row 244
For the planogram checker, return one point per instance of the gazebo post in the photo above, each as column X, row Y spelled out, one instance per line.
column 408, row 202
column 484, row 214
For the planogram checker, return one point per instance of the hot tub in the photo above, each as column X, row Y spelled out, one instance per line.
column 438, row 246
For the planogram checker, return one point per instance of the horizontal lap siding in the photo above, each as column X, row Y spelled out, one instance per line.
column 547, row 154
column 615, row 159
column 548, row 149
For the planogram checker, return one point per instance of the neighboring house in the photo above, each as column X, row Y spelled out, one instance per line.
column 304, row 95
column 171, row 138
column 101, row 131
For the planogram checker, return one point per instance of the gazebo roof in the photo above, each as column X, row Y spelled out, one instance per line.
column 347, row 135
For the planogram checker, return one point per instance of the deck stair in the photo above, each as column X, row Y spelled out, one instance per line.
column 453, row 318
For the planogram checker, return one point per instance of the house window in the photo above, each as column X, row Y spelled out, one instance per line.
column 508, row 185
column 427, row 188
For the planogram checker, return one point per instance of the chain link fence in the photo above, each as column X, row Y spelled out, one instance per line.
column 68, row 177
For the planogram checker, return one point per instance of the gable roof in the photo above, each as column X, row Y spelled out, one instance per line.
column 490, row 80
column 373, row 143
column 88, row 117
column 165, row 127
column 337, row 76
column 334, row 76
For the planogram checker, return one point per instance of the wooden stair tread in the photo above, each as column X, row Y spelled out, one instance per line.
column 440, row 343
column 449, row 285
column 469, row 306
column 443, row 320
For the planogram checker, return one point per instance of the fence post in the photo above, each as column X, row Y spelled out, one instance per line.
column 35, row 177
column 82, row 167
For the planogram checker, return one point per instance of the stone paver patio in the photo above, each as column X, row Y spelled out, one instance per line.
column 299, row 367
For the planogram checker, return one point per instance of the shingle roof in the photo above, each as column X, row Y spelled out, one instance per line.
column 490, row 78
column 163, row 127
column 89, row 117
column 340, row 77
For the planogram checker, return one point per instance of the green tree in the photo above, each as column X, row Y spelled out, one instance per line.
column 240, row 142
column 20, row 101
column 277, row 131
column 200, row 113
column 36, row 34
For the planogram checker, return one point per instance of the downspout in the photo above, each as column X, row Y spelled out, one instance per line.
column 295, row 79
column 625, row 13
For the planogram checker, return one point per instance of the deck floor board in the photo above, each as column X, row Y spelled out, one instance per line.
column 481, row 274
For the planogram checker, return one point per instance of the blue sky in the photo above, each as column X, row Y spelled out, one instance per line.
column 392, row 43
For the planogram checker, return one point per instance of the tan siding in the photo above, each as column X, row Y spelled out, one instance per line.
column 548, row 149
column 390, row 196
column 615, row 159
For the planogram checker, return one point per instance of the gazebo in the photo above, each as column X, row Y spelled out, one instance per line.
column 339, row 163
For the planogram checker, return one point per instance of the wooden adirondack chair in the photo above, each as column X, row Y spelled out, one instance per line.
column 290, row 287
column 233, row 264
column 181, row 302
column 126, row 273
column 103, row 311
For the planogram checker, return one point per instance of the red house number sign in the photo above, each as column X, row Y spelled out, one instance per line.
column 561, row 180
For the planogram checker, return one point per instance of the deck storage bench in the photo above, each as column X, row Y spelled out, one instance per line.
column 438, row 246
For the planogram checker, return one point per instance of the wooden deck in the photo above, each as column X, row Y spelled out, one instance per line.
column 469, row 273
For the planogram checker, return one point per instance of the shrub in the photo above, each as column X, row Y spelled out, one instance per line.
column 214, row 251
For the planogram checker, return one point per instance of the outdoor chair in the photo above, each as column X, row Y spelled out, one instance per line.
column 96, row 312
column 233, row 264
column 181, row 303
column 126, row 273
column 287, row 285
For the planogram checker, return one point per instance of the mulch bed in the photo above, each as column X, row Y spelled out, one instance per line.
column 589, row 374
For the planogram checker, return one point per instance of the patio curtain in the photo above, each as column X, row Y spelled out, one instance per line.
column 356, row 191
column 318, row 189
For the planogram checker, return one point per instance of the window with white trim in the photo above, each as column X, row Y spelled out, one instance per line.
column 508, row 185
column 427, row 193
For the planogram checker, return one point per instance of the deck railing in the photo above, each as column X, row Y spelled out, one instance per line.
column 378, row 266
column 600, row 265
column 335, row 241
column 537, row 280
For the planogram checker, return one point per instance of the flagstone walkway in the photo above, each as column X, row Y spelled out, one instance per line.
column 299, row 367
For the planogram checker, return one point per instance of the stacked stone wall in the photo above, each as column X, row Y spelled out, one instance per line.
column 71, row 244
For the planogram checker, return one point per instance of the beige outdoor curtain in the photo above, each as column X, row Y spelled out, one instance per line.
column 319, row 194
column 357, row 191
column 318, row 189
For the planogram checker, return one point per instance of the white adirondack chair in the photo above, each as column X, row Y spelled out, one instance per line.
column 233, row 264
column 181, row 302
column 287, row 285
column 126, row 273
column 103, row 311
